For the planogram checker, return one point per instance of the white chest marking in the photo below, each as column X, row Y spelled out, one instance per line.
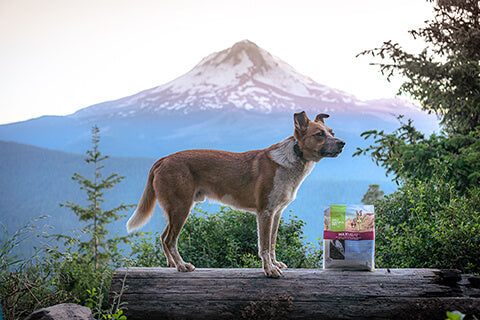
column 289, row 176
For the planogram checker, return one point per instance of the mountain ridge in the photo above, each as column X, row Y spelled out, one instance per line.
column 243, row 77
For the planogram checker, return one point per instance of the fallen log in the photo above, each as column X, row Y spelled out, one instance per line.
column 165, row 293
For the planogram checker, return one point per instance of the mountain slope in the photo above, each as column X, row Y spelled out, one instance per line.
column 243, row 77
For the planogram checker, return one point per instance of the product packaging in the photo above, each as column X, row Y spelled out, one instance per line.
column 349, row 237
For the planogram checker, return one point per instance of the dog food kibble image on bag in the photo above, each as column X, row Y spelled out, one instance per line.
column 349, row 237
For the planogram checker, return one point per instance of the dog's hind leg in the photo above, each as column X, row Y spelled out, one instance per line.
column 177, row 217
column 175, row 191
column 166, row 251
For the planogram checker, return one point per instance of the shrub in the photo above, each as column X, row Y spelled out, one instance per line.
column 429, row 224
column 228, row 239
column 25, row 283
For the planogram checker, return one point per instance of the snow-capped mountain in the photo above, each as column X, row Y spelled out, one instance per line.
column 240, row 98
column 243, row 77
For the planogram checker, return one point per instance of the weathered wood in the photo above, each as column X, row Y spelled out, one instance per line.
column 164, row 293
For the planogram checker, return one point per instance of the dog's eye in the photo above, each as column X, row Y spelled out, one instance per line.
column 320, row 134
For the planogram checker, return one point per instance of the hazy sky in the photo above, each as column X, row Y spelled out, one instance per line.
column 57, row 56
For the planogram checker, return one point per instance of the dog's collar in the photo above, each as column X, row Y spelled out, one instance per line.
column 297, row 150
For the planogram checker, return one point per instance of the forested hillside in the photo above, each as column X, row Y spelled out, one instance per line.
column 34, row 181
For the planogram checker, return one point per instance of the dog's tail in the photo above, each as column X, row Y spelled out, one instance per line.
column 145, row 207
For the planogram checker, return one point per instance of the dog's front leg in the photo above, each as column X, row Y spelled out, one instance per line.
column 265, row 223
column 273, row 240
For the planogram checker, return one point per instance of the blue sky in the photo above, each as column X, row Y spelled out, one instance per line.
column 57, row 56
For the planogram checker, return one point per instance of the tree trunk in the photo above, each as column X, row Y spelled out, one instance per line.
column 165, row 293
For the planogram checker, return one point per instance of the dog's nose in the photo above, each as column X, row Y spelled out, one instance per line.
column 340, row 143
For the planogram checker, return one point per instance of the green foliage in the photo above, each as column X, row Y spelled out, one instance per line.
column 73, row 273
column 96, row 302
column 228, row 239
column 55, row 275
column 25, row 284
column 455, row 315
column 444, row 77
column 97, row 247
column 8, row 244
column 408, row 154
column 373, row 193
column 428, row 224
column 432, row 220
column 77, row 271
column 147, row 251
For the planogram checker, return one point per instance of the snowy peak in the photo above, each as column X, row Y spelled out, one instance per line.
column 240, row 53
column 242, row 77
column 233, row 67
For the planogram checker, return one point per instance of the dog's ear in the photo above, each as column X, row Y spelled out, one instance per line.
column 301, row 123
column 320, row 117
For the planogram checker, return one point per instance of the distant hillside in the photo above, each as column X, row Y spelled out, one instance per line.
column 35, row 181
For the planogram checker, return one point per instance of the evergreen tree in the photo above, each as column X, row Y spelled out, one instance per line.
column 373, row 193
column 409, row 155
column 445, row 76
column 97, row 248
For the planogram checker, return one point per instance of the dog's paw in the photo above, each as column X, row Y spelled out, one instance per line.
column 279, row 264
column 273, row 272
column 185, row 267
column 189, row 266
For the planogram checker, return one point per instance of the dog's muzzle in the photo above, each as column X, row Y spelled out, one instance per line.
column 333, row 149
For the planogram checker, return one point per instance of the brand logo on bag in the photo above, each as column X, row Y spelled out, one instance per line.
column 357, row 236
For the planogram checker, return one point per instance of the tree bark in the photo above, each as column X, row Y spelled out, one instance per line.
column 165, row 293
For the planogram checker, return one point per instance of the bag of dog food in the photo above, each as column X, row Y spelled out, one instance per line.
column 349, row 237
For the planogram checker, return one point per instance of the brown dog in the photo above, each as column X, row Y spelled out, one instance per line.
column 262, row 181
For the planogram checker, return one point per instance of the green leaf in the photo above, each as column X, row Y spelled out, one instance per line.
column 455, row 315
